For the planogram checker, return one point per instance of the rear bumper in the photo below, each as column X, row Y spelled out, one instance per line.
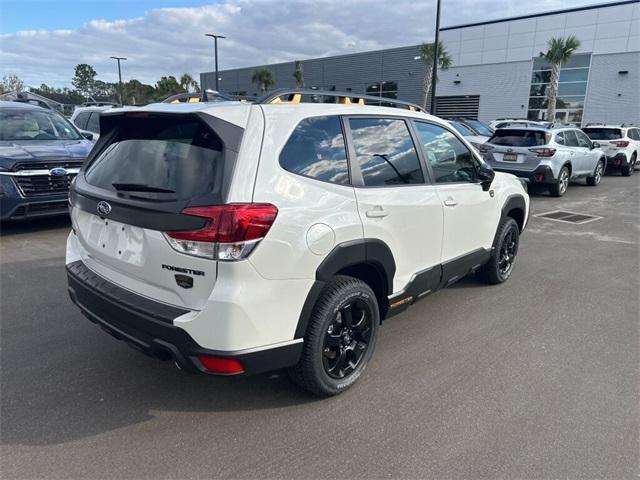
column 617, row 161
column 147, row 326
column 542, row 174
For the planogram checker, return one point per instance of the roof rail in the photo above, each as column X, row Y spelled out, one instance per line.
column 628, row 125
column 294, row 95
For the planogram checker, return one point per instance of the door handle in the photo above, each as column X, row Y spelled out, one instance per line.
column 377, row 212
column 450, row 202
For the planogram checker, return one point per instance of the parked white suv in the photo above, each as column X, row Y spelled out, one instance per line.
column 241, row 238
column 87, row 119
column 621, row 145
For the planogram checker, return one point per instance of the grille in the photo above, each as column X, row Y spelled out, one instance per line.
column 46, row 165
column 568, row 217
column 43, row 184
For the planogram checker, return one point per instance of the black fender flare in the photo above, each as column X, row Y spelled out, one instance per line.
column 347, row 254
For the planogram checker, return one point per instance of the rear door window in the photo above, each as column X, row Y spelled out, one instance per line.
column 519, row 138
column 316, row 149
column 560, row 138
column 168, row 155
column 81, row 120
column 385, row 152
column 571, row 139
column 93, row 125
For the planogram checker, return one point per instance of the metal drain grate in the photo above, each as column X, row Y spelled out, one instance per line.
column 568, row 217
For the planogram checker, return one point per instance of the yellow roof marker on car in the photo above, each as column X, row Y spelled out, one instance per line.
column 295, row 96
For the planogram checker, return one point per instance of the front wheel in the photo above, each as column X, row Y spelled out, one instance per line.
column 340, row 338
column 559, row 188
column 499, row 267
column 597, row 175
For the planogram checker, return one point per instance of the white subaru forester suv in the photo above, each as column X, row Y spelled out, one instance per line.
column 237, row 238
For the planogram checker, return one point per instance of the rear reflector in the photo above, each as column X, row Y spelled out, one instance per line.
column 232, row 231
column 224, row 365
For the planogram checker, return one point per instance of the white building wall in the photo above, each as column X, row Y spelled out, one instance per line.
column 613, row 97
column 503, row 87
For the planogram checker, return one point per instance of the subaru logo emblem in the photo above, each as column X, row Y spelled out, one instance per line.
column 58, row 172
column 104, row 208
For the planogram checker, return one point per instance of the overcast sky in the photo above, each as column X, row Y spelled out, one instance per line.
column 42, row 40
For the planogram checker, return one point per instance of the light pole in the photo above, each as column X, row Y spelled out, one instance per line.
column 215, row 48
column 432, row 110
column 119, row 76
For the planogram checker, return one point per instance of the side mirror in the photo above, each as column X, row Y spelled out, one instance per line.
column 87, row 135
column 595, row 145
column 485, row 176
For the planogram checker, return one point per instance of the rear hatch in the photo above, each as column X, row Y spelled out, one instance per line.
column 515, row 149
column 145, row 170
column 610, row 139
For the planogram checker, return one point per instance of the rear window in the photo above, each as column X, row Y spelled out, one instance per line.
column 169, row 155
column 603, row 133
column 519, row 138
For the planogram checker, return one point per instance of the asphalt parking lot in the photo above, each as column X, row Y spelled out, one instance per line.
column 536, row 378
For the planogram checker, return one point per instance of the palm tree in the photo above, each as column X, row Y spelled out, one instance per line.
column 188, row 83
column 264, row 78
column 426, row 56
column 298, row 74
column 558, row 54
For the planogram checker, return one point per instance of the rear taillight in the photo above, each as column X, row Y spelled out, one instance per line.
column 484, row 148
column 543, row 152
column 620, row 143
column 231, row 233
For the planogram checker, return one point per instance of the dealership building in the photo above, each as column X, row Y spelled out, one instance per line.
column 496, row 68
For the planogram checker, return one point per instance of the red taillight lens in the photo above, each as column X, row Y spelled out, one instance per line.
column 231, row 232
column 543, row 152
column 484, row 148
column 223, row 365
column 621, row 143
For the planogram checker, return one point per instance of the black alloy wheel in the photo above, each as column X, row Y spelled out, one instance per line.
column 347, row 339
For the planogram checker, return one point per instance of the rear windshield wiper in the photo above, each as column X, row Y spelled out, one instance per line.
column 139, row 187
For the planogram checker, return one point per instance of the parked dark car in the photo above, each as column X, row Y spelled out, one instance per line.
column 40, row 154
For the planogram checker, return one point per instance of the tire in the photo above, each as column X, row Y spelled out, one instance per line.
column 627, row 170
column 337, row 350
column 559, row 188
column 637, row 163
column 597, row 174
column 500, row 266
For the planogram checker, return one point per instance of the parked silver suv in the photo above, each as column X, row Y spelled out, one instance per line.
column 549, row 156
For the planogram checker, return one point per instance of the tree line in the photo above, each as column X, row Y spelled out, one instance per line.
column 87, row 87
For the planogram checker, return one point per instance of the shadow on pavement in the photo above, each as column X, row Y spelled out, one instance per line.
column 34, row 225
column 63, row 379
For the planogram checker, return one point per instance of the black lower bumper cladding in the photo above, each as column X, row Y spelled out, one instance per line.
column 147, row 326
column 542, row 174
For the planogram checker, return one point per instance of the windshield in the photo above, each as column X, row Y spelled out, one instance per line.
column 603, row 133
column 480, row 127
column 35, row 125
column 462, row 129
column 519, row 138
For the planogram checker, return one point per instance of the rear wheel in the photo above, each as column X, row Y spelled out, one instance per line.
column 499, row 267
column 597, row 175
column 627, row 170
column 340, row 338
column 559, row 188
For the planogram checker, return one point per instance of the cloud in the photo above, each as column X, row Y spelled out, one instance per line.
column 170, row 41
